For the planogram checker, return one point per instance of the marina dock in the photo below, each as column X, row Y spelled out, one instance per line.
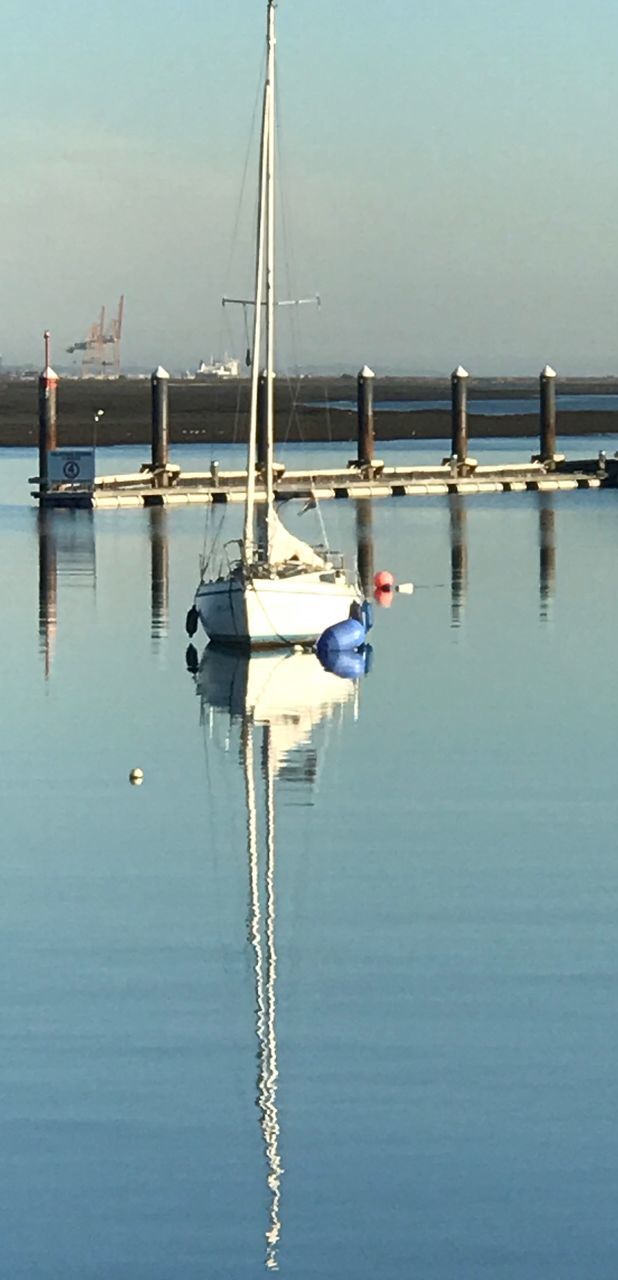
column 67, row 476
column 388, row 482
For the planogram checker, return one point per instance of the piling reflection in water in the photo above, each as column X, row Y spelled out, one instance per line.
column 283, row 698
column 364, row 543
column 459, row 557
column 159, row 574
column 66, row 552
column 547, row 554
column 48, row 587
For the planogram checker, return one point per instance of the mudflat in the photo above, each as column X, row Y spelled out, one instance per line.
column 218, row 412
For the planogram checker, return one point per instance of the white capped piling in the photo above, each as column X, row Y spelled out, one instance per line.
column 48, row 414
column 159, row 385
column 547, row 384
column 365, row 384
column 459, row 415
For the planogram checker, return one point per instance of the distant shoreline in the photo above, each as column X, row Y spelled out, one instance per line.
column 217, row 413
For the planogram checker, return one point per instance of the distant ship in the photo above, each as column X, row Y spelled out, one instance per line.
column 229, row 367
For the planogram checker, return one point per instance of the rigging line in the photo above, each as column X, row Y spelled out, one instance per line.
column 290, row 273
column 243, row 184
column 203, row 559
column 231, row 340
column 289, row 256
column 206, row 560
column 236, row 427
column 295, row 414
column 288, row 428
column 319, row 515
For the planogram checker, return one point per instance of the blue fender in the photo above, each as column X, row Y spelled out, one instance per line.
column 343, row 637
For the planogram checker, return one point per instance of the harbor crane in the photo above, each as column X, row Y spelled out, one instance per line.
column 95, row 346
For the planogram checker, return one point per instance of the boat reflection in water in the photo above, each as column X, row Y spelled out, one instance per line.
column 279, row 699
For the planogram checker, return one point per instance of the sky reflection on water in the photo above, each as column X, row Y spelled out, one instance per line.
column 371, row 1030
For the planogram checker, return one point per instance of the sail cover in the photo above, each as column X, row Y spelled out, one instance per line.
column 285, row 547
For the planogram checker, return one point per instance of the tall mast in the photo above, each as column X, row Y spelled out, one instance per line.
column 270, row 277
column 249, row 525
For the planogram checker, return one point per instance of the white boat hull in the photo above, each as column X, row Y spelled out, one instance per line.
column 270, row 612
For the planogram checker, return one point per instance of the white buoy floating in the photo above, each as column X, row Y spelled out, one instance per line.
column 136, row 777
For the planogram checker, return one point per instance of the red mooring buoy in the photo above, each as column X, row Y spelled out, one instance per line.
column 383, row 580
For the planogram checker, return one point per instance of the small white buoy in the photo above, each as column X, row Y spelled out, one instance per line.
column 136, row 777
column 405, row 588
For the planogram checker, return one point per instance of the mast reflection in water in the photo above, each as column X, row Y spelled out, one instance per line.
column 281, row 698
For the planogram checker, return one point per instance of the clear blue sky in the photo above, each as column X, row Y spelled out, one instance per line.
column 449, row 176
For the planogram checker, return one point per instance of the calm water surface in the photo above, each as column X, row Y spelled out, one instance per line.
column 334, row 991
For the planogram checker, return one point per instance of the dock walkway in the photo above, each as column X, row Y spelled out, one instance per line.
column 174, row 488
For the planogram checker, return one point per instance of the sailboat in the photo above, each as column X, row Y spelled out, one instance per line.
column 278, row 699
column 278, row 590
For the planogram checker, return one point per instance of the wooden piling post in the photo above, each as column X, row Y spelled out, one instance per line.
column 459, row 416
column 365, row 383
column 547, row 384
column 48, row 415
column 159, row 385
